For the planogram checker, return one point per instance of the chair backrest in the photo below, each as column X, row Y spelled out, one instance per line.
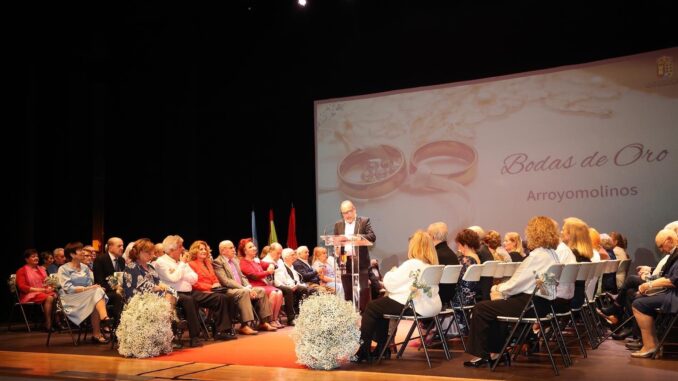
column 473, row 273
column 569, row 274
column 511, row 268
column 431, row 275
column 499, row 270
column 555, row 270
column 624, row 266
column 490, row 267
column 612, row 266
column 593, row 278
column 584, row 269
column 450, row 274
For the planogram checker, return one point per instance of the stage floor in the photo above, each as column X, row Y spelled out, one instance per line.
column 25, row 356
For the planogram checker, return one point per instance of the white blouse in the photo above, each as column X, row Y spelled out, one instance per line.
column 523, row 280
column 398, row 284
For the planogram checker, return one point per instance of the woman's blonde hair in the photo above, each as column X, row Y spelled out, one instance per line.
column 515, row 238
column 421, row 248
column 541, row 232
column 579, row 238
column 595, row 237
column 195, row 247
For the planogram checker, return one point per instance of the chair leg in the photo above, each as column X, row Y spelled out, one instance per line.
column 443, row 339
column 422, row 338
column 23, row 314
column 407, row 340
column 503, row 348
column 664, row 335
column 579, row 337
column 546, row 344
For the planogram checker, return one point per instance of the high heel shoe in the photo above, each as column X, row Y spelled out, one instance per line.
column 644, row 354
column 475, row 363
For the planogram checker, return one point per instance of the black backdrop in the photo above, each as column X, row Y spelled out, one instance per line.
column 160, row 118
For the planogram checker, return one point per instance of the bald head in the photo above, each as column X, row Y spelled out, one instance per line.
column 666, row 240
column 115, row 246
column 227, row 249
column 276, row 251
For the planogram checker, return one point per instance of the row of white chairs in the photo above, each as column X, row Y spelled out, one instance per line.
column 591, row 273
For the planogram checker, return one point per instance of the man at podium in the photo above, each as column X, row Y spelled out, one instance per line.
column 352, row 224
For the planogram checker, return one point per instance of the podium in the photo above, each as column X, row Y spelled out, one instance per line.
column 348, row 241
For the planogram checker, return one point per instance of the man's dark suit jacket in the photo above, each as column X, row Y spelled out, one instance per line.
column 103, row 268
column 446, row 256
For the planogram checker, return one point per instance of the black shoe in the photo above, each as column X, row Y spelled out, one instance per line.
column 634, row 345
column 477, row 363
column 195, row 342
column 291, row 323
column 609, row 310
column 375, row 354
column 622, row 334
column 228, row 335
column 362, row 355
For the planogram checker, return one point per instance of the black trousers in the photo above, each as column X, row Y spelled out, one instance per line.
column 373, row 324
column 116, row 302
column 292, row 298
column 487, row 334
column 221, row 305
column 190, row 308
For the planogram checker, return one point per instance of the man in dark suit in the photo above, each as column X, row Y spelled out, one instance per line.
column 107, row 263
column 352, row 224
column 446, row 256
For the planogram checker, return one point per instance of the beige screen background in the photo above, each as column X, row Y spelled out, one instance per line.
column 596, row 141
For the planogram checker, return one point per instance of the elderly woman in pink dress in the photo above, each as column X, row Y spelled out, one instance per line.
column 30, row 282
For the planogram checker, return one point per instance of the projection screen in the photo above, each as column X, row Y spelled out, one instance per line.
column 596, row 141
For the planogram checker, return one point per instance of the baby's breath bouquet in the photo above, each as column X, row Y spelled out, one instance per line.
column 52, row 280
column 418, row 286
column 326, row 332
column 145, row 328
column 11, row 283
column 546, row 282
column 115, row 282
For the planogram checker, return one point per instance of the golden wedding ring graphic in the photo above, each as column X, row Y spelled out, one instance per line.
column 463, row 156
column 372, row 171
column 378, row 170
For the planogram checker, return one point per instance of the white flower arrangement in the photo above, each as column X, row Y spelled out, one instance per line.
column 11, row 283
column 327, row 332
column 145, row 328
column 546, row 283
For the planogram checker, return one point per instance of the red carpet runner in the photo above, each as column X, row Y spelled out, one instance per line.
column 274, row 349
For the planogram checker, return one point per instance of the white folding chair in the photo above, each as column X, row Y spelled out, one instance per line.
column 527, row 323
column 431, row 277
column 451, row 276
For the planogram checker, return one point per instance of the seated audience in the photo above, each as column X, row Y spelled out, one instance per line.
column 326, row 267
column 106, row 265
column 514, row 246
column 140, row 276
column 446, row 256
column 80, row 296
column 30, row 282
column 644, row 306
column 258, row 277
column 59, row 260
column 398, row 282
column 309, row 275
column 227, row 270
column 509, row 298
